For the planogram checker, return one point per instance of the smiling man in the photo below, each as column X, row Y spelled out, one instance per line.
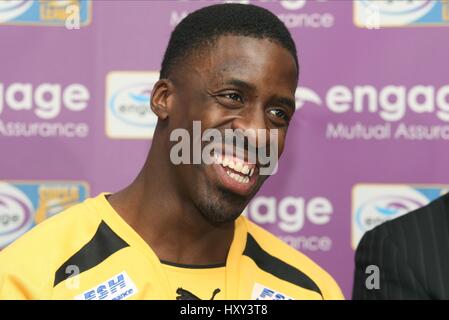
column 176, row 231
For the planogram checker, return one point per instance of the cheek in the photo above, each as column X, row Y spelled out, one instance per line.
column 203, row 111
column 281, row 141
column 211, row 116
column 186, row 107
column 178, row 117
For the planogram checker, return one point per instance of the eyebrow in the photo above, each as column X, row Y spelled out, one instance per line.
column 290, row 103
column 241, row 84
column 287, row 102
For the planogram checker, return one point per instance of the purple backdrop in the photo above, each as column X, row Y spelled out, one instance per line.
column 336, row 180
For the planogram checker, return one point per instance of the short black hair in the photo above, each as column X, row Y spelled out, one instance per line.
column 204, row 26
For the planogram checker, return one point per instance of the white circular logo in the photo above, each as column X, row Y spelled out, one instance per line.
column 380, row 209
column 16, row 212
column 403, row 7
column 11, row 9
column 131, row 104
column 398, row 13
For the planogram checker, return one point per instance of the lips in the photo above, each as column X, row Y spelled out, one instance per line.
column 234, row 174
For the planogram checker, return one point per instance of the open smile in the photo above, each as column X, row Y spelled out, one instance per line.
column 234, row 174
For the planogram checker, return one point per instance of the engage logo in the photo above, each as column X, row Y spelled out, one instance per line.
column 44, row 13
column 47, row 101
column 128, row 110
column 23, row 204
column 16, row 212
column 294, row 13
column 390, row 103
column 289, row 216
column 399, row 13
column 419, row 112
column 374, row 204
column 305, row 95
column 10, row 10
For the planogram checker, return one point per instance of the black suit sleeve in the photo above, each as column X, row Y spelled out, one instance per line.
column 397, row 280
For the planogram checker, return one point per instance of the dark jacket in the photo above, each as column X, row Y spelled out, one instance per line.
column 412, row 253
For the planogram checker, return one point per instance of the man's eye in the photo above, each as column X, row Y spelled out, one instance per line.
column 234, row 96
column 279, row 113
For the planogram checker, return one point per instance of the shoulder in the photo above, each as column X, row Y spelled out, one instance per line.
column 429, row 219
column 271, row 253
column 34, row 257
column 55, row 231
column 415, row 244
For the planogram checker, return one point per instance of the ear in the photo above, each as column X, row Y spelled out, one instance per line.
column 161, row 98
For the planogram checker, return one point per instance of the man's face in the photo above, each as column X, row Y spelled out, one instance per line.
column 238, row 83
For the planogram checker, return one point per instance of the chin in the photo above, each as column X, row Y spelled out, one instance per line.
column 221, row 210
column 220, row 218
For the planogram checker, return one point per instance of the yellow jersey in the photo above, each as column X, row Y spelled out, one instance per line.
column 89, row 252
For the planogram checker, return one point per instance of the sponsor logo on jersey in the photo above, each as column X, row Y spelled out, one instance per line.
column 260, row 292
column 118, row 287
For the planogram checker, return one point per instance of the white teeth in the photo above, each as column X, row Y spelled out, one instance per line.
column 238, row 167
column 237, row 177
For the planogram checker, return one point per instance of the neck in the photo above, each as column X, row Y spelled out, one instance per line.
column 167, row 219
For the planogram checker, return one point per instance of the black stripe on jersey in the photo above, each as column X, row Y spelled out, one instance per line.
column 104, row 243
column 277, row 267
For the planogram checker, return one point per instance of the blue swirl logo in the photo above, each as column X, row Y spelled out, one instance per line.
column 396, row 12
column 131, row 105
column 15, row 214
column 9, row 10
column 381, row 209
column 400, row 7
